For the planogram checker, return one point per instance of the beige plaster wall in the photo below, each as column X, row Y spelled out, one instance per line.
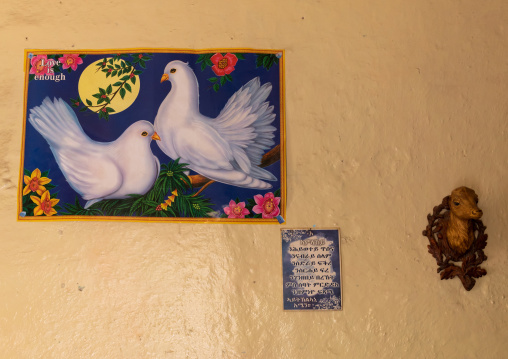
column 390, row 105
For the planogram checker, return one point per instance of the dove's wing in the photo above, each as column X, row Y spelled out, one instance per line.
column 201, row 145
column 84, row 162
column 245, row 123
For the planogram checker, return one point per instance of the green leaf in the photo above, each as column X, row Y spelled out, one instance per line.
column 125, row 78
column 128, row 87
column 102, row 91
column 266, row 60
column 259, row 60
column 83, row 109
column 122, row 93
column 216, row 87
column 229, row 78
column 137, row 72
column 212, row 79
column 203, row 66
column 222, row 81
column 110, row 110
column 239, row 56
column 109, row 89
column 27, row 172
column 273, row 60
column 89, row 103
column 133, row 79
column 96, row 95
column 118, row 83
column 114, row 73
column 101, row 100
column 31, row 77
column 142, row 64
column 45, row 174
column 111, row 61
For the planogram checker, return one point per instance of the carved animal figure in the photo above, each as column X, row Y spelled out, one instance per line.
column 463, row 209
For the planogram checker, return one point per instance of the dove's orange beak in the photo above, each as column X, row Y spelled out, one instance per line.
column 165, row 77
column 156, row 137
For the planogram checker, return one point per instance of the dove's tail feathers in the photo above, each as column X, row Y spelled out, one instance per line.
column 91, row 202
column 233, row 178
column 263, row 174
column 245, row 122
column 57, row 123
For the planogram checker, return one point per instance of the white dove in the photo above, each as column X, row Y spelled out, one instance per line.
column 228, row 148
column 97, row 170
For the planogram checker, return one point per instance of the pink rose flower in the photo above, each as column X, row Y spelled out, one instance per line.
column 223, row 65
column 236, row 210
column 268, row 205
column 70, row 60
column 39, row 65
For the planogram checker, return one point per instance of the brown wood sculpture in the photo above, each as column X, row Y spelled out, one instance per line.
column 456, row 235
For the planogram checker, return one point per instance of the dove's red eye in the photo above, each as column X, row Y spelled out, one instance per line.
column 172, row 71
column 144, row 133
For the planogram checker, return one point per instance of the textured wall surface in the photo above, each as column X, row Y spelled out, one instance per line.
column 389, row 105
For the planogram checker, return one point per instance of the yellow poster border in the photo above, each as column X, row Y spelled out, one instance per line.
column 282, row 115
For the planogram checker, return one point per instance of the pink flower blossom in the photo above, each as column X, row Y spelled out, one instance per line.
column 236, row 210
column 70, row 60
column 223, row 65
column 268, row 205
column 39, row 65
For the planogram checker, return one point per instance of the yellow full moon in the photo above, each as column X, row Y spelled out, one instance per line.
column 91, row 80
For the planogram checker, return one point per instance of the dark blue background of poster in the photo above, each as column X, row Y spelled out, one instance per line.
column 152, row 93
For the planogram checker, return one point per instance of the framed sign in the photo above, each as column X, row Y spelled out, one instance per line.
column 153, row 135
column 311, row 269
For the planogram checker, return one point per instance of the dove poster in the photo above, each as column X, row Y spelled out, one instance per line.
column 311, row 269
column 153, row 135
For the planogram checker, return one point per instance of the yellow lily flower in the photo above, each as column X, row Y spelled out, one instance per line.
column 44, row 204
column 35, row 183
column 170, row 200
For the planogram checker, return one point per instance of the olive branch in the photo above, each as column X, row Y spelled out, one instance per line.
column 116, row 66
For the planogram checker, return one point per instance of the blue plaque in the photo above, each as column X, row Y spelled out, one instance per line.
column 311, row 269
